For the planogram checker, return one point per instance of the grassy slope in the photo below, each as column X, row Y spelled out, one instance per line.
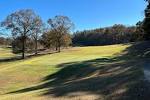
column 84, row 72
column 5, row 53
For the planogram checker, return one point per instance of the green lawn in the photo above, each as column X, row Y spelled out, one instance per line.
column 85, row 73
column 6, row 53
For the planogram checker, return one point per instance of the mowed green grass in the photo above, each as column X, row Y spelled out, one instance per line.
column 6, row 53
column 22, row 74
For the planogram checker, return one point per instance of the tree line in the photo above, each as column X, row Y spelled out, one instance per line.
column 28, row 31
column 109, row 35
column 29, row 34
column 115, row 34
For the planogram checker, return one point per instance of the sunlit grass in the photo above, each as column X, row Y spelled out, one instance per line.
column 26, row 73
column 6, row 53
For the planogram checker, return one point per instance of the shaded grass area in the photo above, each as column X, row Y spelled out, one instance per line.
column 138, row 50
column 19, row 57
column 6, row 55
column 116, row 78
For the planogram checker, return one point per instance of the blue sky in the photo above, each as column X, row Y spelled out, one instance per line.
column 86, row 14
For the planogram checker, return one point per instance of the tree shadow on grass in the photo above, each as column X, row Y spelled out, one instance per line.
column 19, row 57
column 118, row 78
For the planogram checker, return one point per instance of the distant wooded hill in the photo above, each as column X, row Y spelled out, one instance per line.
column 109, row 35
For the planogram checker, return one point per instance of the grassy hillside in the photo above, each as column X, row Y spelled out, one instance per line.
column 87, row 73
column 5, row 53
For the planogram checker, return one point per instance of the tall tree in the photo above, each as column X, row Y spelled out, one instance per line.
column 146, row 23
column 147, row 1
column 48, row 39
column 37, row 31
column 60, row 25
column 21, row 23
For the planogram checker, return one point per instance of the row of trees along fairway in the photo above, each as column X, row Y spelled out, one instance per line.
column 146, row 22
column 27, row 31
column 115, row 34
column 30, row 34
column 60, row 29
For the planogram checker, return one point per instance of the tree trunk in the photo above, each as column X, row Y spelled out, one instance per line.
column 59, row 45
column 23, row 47
column 36, row 43
column 23, row 56
column 59, row 49
column 56, row 48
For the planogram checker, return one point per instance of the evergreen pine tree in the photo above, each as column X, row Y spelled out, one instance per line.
column 146, row 23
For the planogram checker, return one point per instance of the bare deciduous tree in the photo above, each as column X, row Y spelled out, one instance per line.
column 60, row 25
column 21, row 23
column 37, row 31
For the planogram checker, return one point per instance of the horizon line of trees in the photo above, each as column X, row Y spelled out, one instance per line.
column 30, row 34
column 115, row 34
